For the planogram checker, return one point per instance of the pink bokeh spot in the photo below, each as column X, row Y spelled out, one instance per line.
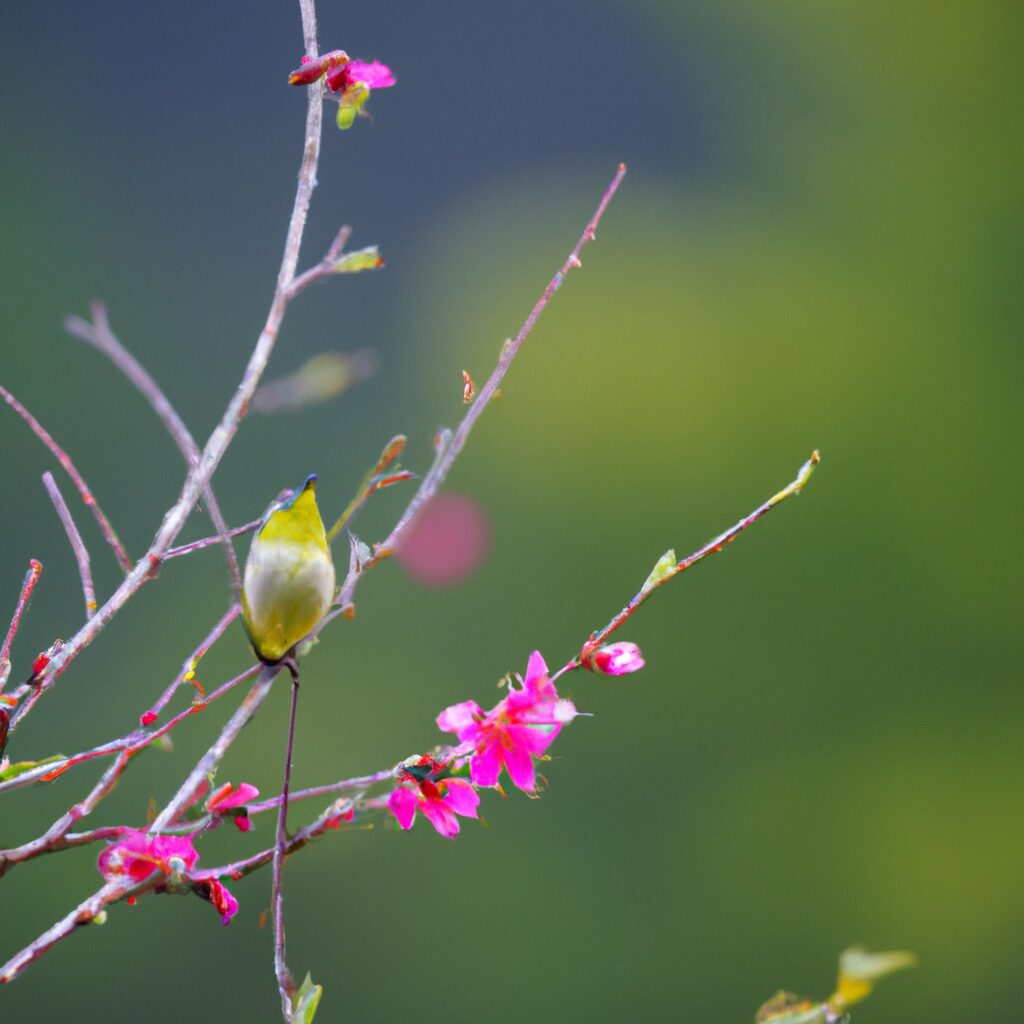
column 514, row 732
column 447, row 542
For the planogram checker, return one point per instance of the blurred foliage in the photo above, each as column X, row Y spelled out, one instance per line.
column 818, row 245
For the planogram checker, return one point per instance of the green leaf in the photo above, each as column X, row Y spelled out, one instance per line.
column 306, row 1000
column 20, row 767
column 362, row 259
column 663, row 569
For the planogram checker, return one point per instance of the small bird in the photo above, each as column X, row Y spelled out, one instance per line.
column 289, row 575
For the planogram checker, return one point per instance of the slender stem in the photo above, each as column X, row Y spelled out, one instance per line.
column 79, row 481
column 28, row 584
column 101, row 337
column 85, row 912
column 447, row 453
column 667, row 567
column 209, row 761
column 285, row 981
column 75, row 538
column 205, row 542
column 343, row 786
column 54, row 835
column 224, row 433
column 188, row 667
column 325, row 268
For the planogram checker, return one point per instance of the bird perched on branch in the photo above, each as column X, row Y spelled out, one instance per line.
column 289, row 575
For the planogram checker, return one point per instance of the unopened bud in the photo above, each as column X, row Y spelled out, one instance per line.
column 615, row 659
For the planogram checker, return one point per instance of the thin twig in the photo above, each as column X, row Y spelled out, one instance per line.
column 188, row 667
column 667, row 567
column 209, row 761
column 83, row 488
column 28, row 584
column 99, row 335
column 325, row 268
column 86, row 911
column 343, row 786
column 205, row 542
column 448, row 453
column 132, row 743
column 75, row 538
column 222, row 436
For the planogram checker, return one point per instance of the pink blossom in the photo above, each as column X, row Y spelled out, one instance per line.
column 424, row 787
column 224, row 903
column 518, row 729
column 227, row 798
column 137, row 854
column 615, row 659
column 373, row 74
column 353, row 80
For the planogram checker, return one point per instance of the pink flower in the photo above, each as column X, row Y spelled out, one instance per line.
column 354, row 80
column 514, row 732
column 425, row 788
column 224, row 903
column 373, row 74
column 615, row 659
column 228, row 798
column 137, row 854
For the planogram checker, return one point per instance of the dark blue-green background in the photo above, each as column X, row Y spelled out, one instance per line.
column 818, row 244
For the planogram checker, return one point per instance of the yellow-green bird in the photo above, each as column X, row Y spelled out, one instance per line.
column 289, row 575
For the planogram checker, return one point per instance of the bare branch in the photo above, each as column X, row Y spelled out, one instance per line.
column 667, row 567
column 77, row 544
column 448, row 452
column 83, row 488
column 27, row 586
column 99, row 335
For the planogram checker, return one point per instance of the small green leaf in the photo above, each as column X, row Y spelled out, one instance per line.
column 20, row 767
column 362, row 259
column 306, row 1000
column 663, row 569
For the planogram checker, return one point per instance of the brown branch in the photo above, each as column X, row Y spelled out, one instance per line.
column 99, row 335
column 449, row 449
column 79, row 481
column 75, row 539
column 27, row 586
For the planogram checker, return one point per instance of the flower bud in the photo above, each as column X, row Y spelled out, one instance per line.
column 615, row 659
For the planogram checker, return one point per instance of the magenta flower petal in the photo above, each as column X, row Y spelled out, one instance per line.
column 373, row 73
column 535, row 668
column 519, row 762
column 226, row 904
column 461, row 797
column 459, row 718
column 486, row 766
column 403, row 806
column 441, row 817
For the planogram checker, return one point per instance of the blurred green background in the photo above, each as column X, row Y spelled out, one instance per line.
column 818, row 244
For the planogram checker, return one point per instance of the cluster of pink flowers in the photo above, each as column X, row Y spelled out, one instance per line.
column 351, row 81
column 511, row 736
column 138, row 854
